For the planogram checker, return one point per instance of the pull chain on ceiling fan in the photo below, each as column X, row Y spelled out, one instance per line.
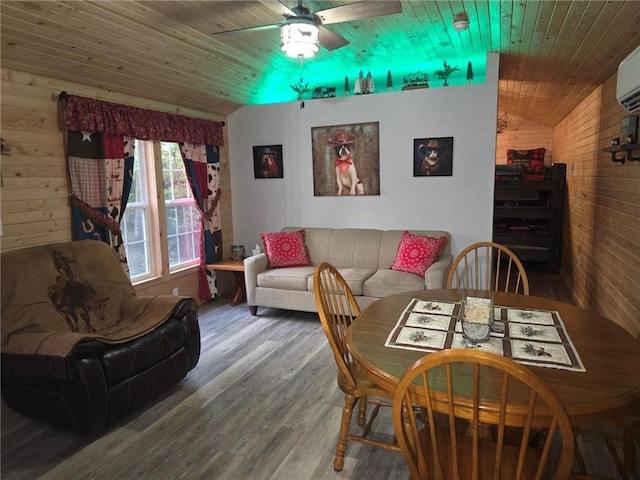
column 304, row 31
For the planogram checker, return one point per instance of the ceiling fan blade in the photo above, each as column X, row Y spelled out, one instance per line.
column 249, row 29
column 331, row 40
column 358, row 11
column 278, row 8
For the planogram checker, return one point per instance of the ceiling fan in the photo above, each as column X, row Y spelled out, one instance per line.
column 300, row 18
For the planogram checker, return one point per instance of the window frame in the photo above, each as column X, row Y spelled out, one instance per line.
column 190, row 200
column 157, row 217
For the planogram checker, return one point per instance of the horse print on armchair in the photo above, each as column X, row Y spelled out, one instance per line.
column 74, row 298
column 80, row 350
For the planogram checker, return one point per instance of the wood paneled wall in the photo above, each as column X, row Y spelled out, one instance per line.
column 523, row 134
column 35, row 188
column 601, row 263
column 601, row 244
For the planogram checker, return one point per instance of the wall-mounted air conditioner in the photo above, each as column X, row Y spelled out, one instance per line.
column 628, row 88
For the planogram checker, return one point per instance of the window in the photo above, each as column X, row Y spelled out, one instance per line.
column 137, row 226
column 145, row 218
column 183, row 225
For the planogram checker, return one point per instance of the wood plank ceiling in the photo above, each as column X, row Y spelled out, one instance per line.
column 552, row 53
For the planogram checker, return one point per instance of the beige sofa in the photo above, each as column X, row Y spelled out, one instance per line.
column 363, row 257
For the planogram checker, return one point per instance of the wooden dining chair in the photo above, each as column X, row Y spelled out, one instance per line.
column 621, row 426
column 481, row 413
column 337, row 308
column 488, row 266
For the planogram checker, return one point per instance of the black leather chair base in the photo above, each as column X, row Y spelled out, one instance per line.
column 110, row 381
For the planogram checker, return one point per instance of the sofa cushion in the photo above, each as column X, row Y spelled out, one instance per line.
column 388, row 282
column 355, row 278
column 293, row 278
column 286, row 249
column 355, row 248
column 417, row 253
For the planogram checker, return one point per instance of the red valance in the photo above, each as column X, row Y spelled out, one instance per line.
column 92, row 115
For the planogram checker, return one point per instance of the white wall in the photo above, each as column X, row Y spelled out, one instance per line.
column 461, row 204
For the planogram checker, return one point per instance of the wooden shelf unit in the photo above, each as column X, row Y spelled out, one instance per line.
column 528, row 216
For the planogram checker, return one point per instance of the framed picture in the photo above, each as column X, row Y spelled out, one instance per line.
column 433, row 157
column 346, row 159
column 267, row 161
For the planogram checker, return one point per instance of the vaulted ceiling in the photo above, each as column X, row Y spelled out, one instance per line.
column 552, row 53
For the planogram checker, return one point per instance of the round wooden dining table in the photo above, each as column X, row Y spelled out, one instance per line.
column 610, row 355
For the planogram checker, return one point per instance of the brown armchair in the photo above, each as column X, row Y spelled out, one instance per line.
column 80, row 350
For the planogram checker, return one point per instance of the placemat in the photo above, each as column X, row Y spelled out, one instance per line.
column 532, row 337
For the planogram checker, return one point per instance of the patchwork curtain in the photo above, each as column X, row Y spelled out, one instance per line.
column 202, row 164
column 100, row 142
column 100, row 167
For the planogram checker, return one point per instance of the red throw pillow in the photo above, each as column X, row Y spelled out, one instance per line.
column 417, row 253
column 286, row 249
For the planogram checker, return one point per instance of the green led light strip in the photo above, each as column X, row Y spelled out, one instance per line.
column 326, row 72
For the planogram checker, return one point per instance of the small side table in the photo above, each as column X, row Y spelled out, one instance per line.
column 237, row 267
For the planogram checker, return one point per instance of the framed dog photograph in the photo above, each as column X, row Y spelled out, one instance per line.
column 346, row 159
column 267, row 161
column 433, row 157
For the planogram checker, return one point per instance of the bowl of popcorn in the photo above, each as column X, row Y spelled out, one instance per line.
column 476, row 317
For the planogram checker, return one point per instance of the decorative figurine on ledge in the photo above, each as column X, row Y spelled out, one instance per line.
column 415, row 80
column 300, row 88
column 363, row 85
column 323, row 92
column 445, row 73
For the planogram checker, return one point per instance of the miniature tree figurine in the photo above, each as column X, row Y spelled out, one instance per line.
column 469, row 72
column 357, row 85
column 300, row 88
column 389, row 82
column 445, row 73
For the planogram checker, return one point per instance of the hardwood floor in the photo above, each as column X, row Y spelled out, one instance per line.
column 261, row 404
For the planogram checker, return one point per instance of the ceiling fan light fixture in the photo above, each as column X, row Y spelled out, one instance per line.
column 299, row 37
